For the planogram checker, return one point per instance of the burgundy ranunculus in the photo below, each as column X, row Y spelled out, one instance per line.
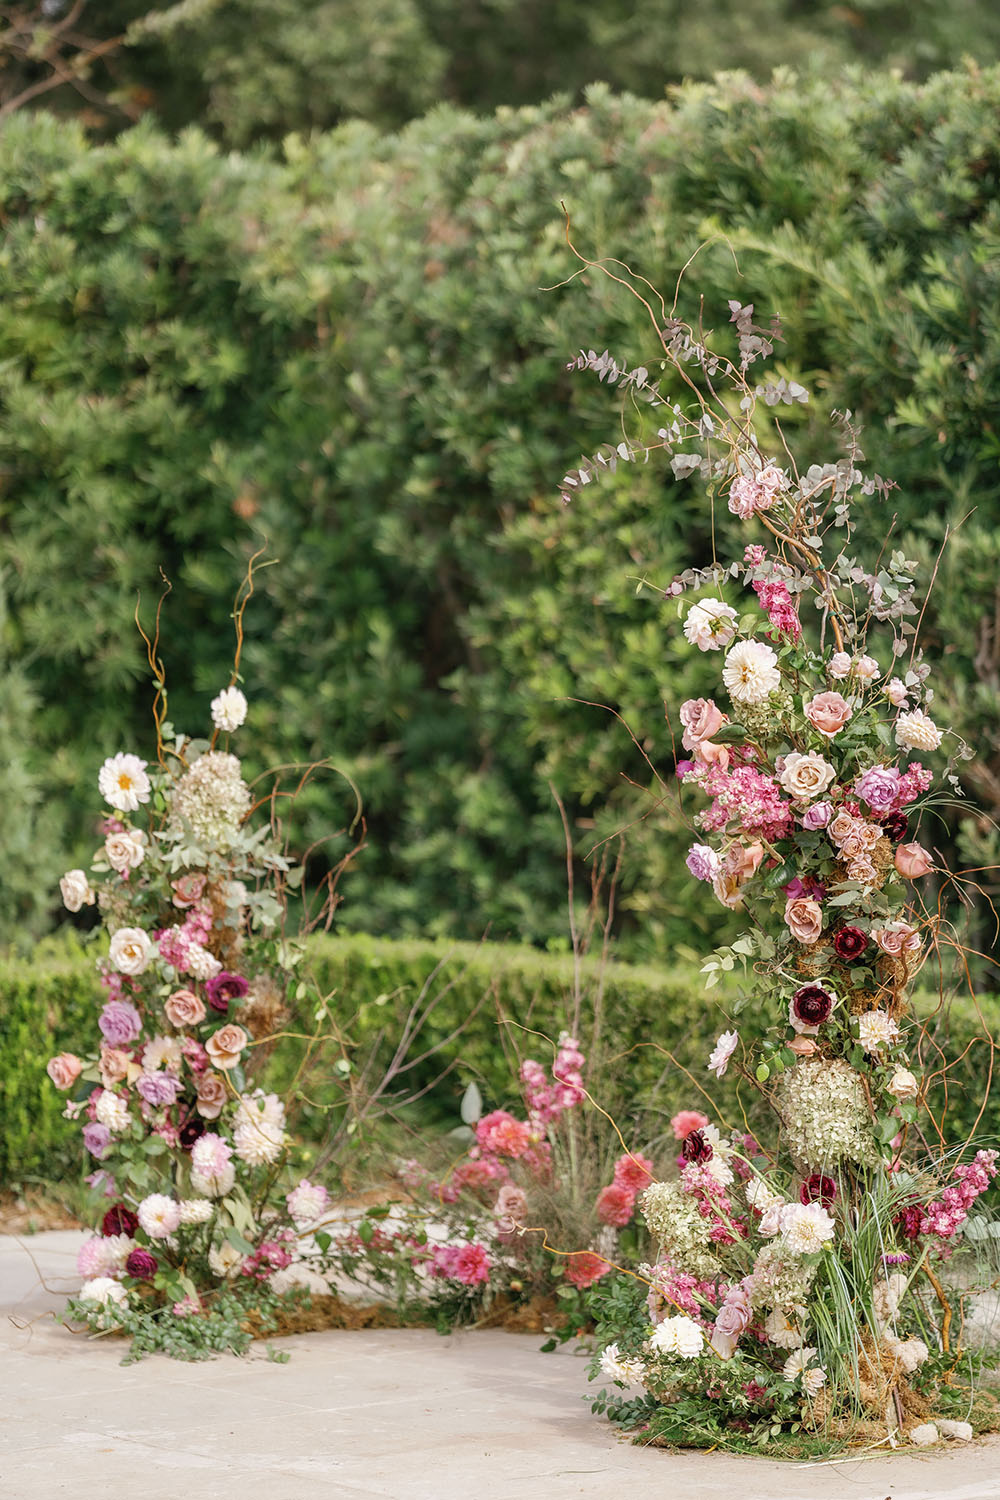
column 223, row 988
column 812, row 1004
column 895, row 827
column 119, row 1220
column 694, row 1147
column 192, row 1128
column 850, row 943
column 142, row 1264
column 818, row 1189
column 907, row 1221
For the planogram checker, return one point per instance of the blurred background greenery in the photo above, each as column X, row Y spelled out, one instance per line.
column 296, row 306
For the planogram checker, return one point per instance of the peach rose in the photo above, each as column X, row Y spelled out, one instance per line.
column 184, row 1008
column 212, row 1095
column 114, row 1066
column 728, row 889
column 805, row 919
column 743, row 860
column 64, row 1069
column 805, row 776
column 701, row 718
column 712, row 755
column 828, row 712
column 903, row 1085
column 188, row 889
column 802, row 1046
column 841, row 826
column 896, row 938
column 225, row 1046
column 912, row 861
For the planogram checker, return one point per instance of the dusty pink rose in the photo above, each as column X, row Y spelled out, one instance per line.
column 687, row 1120
column 804, row 919
column 912, row 861
column 225, row 1046
column 500, row 1133
column 184, row 1008
column 64, row 1069
column 828, row 712
column 114, row 1066
column 743, row 860
column 511, row 1208
column 701, row 718
column 471, row 1265
column 212, row 1095
column 868, row 668
column 896, row 938
column 188, row 889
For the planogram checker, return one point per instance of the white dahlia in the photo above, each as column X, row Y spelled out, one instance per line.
column 915, row 731
column 876, row 1029
column 751, row 672
column 805, row 1227
column 681, row 1336
column 229, row 710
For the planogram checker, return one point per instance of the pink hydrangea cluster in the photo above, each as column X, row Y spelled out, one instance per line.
column 713, row 1203
column 947, row 1213
column 269, row 1256
column 672, row 1291
column 751, row 797
column 778, row 605
column 175, row 943
column 546, row 1100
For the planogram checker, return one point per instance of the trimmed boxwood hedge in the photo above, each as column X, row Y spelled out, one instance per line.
column 50, row 1005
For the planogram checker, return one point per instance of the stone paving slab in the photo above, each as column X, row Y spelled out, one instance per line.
column 373, row 1415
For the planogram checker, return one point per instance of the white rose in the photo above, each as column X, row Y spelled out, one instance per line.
column 130, row 950
column 76, row 890
column 710, row 625
column 839, row 665
column 126, row 850
column 229, row 710
column 806, row 776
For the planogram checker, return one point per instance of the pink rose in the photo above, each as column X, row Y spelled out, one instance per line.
column 896, row 938
column 225, row 1046
column 743, row 860
column 912, row 861
column 712, row 755
column 804, row 919
column 817, row 816
column 802, row 1046
column 701, row 718
column 188, row 889
column 212, row 1095
column 64, row 1069
column 839, row 665
column 184, row 1008
column 828, row 712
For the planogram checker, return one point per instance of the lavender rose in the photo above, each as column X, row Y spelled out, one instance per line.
column 120, row 1023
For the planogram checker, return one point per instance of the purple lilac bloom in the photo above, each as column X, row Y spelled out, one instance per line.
column 120, row 1023
column 97, row 1139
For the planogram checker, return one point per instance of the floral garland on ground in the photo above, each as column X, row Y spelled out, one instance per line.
column 194, row 1209
column 793, row 1285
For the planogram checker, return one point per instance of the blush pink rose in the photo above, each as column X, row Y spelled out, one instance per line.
column 743, row 860
column 804, row 919
column 64, row 1069
column 188, row 889
column 896, row 938
column 114, row 1066
column 912, row 861
column 828, row 712
column 701, row 718
column 802, row 1046
column 212, row 1095
column 712, row 755
column 225, row 1046
column 184, row 1008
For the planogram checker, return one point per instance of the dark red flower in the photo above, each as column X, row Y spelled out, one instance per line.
column 223, row 988
column 119, row 1220
column 895, row 827
column 695, row 1147
column 818, row 1189
column 192, row 1128
column 907, row 1221
column 812, row 1004
column 142, row 1264
column 850, row 943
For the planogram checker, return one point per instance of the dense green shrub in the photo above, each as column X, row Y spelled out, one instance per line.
column 348, row 355
column 645, row 1012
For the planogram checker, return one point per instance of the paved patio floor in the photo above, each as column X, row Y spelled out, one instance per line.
column 373, row 1415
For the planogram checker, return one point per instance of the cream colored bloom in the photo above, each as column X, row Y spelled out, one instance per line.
column 229, row 710
column 903, row 1085
column 839, row 665
column 915, row 731
column 104, row 1291
column 761, row 1196
column 126, row 850
column 625, row 1369
column 681, row 1336
column 782, row 1330
column 797, row 1363
column 76, row 890
column 806, row 776
column 130, row 950
column 123, row 783
column 876, row 1029
column 225, row 1259
column 710, row 625
column 751, row 672
column 806, row 1227
column 111, row 1110
column 813, row 1381
column 196, row 1210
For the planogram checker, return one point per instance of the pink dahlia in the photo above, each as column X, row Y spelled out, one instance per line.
column 615, row 1205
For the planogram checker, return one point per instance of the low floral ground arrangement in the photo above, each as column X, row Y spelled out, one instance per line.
column 800, row 1283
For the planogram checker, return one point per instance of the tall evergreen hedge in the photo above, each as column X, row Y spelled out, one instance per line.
column 351, row 355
